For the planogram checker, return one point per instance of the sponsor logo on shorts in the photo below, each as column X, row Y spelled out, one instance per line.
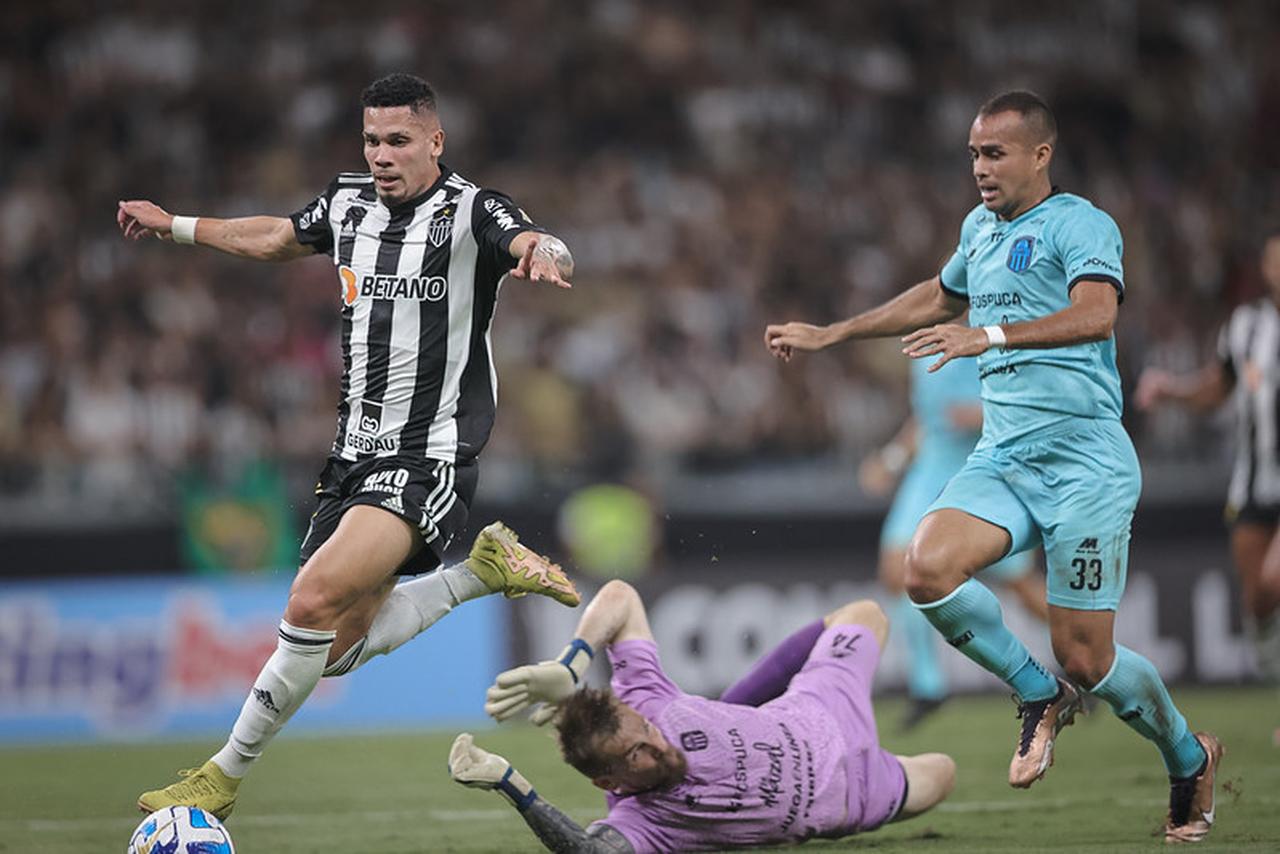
column 394, row 504
column 997, row 369
column 392, row 481
column 694, row 740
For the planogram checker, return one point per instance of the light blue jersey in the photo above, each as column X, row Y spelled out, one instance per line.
column 1054, row 464
column 1024, row 269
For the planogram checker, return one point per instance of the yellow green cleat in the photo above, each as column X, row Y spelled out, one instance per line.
column 206, row 787
column 506, row 567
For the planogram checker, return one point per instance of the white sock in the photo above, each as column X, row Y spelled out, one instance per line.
column 286, row 680
column 408, row 611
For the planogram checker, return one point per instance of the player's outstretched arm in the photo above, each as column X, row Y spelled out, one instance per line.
column 924, row 304
column 262, row 238
column 1090, row 317
column 477, row 768
column 543, row 258
column 615, row 614
column 1206, row 389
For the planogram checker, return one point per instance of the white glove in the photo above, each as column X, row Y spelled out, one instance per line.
column 478, row 768
column 547, row 682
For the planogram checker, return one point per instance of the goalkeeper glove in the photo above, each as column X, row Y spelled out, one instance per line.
column 478, row 768
column 547, row 682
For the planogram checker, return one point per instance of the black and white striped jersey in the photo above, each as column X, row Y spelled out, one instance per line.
column 418, row 284
column 1249, row 352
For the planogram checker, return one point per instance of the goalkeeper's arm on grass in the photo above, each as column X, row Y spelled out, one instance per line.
column 476, row 767
column 615, row 614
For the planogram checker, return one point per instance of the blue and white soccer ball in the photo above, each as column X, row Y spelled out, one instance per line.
column 181, row 830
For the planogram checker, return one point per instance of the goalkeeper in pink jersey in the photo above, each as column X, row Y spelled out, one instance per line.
column 788, row 753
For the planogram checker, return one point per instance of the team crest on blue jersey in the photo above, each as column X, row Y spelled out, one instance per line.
column 1020, row 254
column 441, row 226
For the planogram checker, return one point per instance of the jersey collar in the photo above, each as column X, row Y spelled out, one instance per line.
column 1053, row 191
column 445, row 172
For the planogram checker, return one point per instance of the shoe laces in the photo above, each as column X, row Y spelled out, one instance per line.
column 1031, row 714
column 199, row 783
column 1182, row 793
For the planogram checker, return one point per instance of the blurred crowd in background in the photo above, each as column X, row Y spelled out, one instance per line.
column 713, row 166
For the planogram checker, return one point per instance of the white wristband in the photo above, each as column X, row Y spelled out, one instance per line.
column 995, row 336
column 184, row 229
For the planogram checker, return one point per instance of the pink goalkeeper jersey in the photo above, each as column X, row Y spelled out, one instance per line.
column 757, row 776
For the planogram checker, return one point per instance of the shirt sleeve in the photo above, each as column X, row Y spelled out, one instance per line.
column 955, row 273
column 311, row 223
column 628, row 818
column 638, row 679
column 495, row 222
column 1090, row 247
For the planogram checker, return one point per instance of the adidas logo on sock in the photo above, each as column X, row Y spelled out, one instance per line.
column 263, row 696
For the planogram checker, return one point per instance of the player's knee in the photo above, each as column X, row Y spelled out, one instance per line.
column 863, row 612
column 313, row 606
column 1083, row 666
column 929, row 572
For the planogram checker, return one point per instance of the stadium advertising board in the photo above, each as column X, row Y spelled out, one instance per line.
column 134, row 658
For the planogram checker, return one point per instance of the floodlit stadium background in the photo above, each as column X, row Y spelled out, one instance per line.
column 164, row 410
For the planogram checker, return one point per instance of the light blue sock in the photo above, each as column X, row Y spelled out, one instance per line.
column 924, row 673
column 971, row 620
column 1136, row 693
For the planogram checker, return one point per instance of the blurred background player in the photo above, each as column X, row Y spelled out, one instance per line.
column 932, row 445
column 1040, row 273
column 1247, row 363
column 794, row 754
column 420, row 252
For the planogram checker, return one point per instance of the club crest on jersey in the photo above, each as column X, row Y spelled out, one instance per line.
column 441, row 226
column 1020, row 253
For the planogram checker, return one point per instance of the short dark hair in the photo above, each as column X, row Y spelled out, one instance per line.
column 1033, row 109
column 400, row 90
column 588, row 717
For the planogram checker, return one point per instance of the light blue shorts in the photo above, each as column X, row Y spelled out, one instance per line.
column 1075, row 492
column 921, row 485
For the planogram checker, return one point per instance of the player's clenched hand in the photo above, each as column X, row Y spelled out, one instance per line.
column 473, row 766
column 547, row 682
column 783, row 339
column 948, row 340
column 139, row 219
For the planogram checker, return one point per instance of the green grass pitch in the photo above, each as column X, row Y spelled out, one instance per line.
column 391, row 795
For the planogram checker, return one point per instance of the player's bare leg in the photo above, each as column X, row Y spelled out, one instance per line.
column 1255, row 550
column 948, row 548
column 341, row 578
column 926, row 685
column 1084, row 645
column 1031, row 593
column 930, row 778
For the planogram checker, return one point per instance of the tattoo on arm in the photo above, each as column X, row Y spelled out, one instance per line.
column 553, row 249
column 563, row 835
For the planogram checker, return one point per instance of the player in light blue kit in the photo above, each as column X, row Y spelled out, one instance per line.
column 1040, row 273
column 945, row 423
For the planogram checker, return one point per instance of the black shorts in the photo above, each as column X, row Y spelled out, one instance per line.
column 1253, row 513
column 431, row 495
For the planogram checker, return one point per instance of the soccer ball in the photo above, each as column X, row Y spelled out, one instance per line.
column 180, row 830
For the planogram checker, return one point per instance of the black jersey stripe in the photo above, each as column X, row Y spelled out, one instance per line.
column 346, row 248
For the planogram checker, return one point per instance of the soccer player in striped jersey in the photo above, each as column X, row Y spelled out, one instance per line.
column 420, row 252
column 1040, row 273
column 1247, row 364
